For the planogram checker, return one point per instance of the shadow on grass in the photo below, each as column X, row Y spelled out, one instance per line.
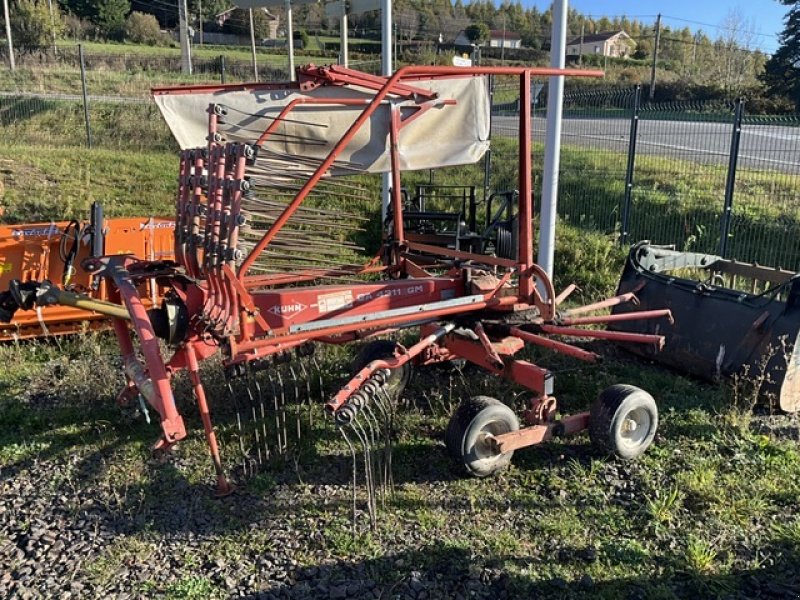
column 15, row 110
column 178, row 496
column 448, row 571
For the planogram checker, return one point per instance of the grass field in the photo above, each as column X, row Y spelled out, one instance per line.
column 711, row 511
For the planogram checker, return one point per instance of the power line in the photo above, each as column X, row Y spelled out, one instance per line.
column 722, row 28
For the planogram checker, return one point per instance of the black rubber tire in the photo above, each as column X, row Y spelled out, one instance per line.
column 479, row 414
column 380, row 350
column 607, row 421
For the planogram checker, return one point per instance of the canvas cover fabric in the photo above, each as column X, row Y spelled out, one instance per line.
column 443, row 136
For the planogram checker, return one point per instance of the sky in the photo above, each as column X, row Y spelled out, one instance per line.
column 764, row 16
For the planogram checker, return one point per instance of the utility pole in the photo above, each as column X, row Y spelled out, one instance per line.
column 343, row 60
column 200, row 19
column 386, row 70
column 52, row 25
column 8, row 37
column 655, row 58
column 580, row 48
column 290, row 39
column 503, row 43
column 552, row 142
column 253, row 46
column 183, row 28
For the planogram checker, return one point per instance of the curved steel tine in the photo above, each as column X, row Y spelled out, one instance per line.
column 254, row 415
column 296, row 399
column 389, row 434
column 369, row 417
column 355, row 475
column 370, row 474
column 319, row 375
column 277, row 413
column 387, row 442
column 282, row 403
column 263, row 412
column 308, row 393
column 240, row 435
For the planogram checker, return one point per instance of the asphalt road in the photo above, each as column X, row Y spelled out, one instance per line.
column 762, row 147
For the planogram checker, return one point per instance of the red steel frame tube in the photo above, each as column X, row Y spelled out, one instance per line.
column 380, row 96
column 525, row 186
column 171, row 420
column 631, row 316
column 561, row 347
column 602, row 334
column 223, row 487
column 397, row 205
column 297, row 101
column 248, row 346
column 607, row 303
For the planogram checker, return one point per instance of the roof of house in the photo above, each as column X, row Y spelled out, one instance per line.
column 499, row 34
column 595, row 37
column 227, row 13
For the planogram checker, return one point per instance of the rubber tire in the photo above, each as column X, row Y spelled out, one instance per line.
column 380, row 350
column 607, row 416
column 471, row 418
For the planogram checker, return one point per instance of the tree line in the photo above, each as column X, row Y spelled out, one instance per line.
column 726, row 64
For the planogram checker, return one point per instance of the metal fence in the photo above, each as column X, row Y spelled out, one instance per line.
column 74, row 97
column 703, row 176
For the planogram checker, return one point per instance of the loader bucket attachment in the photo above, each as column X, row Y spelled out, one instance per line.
column 720, row 330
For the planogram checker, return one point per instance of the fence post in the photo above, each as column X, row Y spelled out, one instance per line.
column 222, row 68
column 85, row 97
column 487, row 159
column 627, row 200
column 730, row 181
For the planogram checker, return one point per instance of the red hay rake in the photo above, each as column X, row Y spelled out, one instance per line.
column 258, row 276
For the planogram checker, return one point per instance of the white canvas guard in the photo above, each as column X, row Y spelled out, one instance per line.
column 444, row 136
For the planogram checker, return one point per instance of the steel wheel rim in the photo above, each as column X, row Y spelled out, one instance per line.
column 484, row 448
column 635, row 427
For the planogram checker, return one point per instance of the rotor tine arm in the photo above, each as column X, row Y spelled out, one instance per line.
column 560, row 347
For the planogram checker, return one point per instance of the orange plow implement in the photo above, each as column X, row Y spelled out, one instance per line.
column 52, row 251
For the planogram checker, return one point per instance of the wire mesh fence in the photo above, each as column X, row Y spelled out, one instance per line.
column 691, row 174
column 701, row 176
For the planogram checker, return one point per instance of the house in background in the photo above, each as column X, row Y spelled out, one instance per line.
column 504, row 39
column 496, row 39
column 605, row 43
column 274, row 21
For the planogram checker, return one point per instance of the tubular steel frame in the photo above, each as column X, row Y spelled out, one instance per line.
column 229, row 307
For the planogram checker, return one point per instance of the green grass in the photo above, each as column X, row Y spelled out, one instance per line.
column 48, row 183
column 710, row 506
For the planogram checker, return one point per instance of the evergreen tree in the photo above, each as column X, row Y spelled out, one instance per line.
column 782, row 71
column 110, row 16
column 32, row 28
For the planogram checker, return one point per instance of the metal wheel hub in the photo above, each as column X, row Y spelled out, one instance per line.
column 635, row 427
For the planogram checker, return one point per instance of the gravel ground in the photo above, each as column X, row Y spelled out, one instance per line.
column 85, row 512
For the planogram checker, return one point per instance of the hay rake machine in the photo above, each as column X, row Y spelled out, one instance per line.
column 265, row 268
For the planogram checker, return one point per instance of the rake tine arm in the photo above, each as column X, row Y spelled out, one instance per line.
column 602, row 334
column 560, row 347
column 565, row 293
column 608, row 303
column 344, row 393
column 631, row 316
